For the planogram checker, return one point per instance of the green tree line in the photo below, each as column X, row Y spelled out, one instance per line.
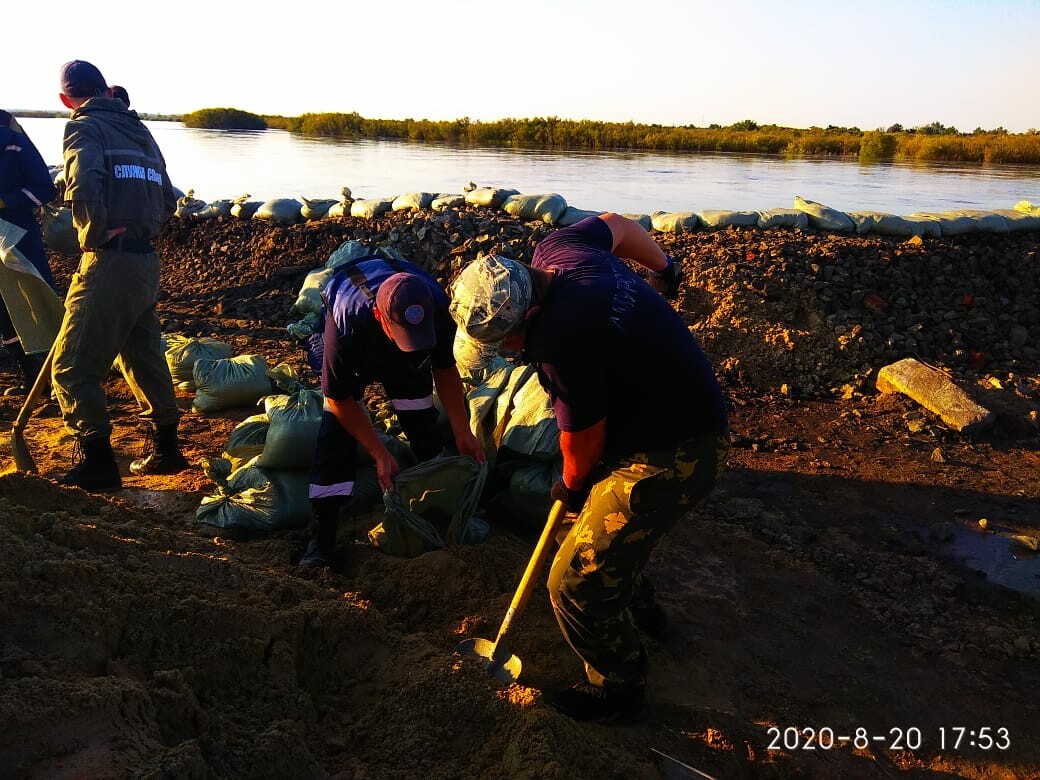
column 933, row 142
column 224, row 119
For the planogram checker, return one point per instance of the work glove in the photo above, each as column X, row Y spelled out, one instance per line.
column 666, row 282
column 572, row 500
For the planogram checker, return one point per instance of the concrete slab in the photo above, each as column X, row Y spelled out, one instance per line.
column 936, row 393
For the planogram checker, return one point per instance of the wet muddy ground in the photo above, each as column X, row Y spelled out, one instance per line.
column 837, row 584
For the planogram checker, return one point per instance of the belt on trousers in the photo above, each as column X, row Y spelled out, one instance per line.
column 125, row 243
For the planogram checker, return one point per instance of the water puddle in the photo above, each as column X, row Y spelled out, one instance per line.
column 994, row 553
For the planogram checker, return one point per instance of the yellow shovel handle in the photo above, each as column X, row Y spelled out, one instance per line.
column 534, row 568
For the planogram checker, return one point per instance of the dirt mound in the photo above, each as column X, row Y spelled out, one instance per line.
column 804, row 595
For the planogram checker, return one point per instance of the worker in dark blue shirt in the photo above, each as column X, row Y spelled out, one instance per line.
column 25, row 186
column 643, row 427
column 386, row 321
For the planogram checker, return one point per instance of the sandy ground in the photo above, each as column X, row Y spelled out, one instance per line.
column 824, row 591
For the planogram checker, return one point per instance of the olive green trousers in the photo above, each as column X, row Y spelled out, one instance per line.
column 110, row 319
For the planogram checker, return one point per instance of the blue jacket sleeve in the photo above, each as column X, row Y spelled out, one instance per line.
column 35, row 187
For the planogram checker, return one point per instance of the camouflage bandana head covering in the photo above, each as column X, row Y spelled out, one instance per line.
column 489, row 299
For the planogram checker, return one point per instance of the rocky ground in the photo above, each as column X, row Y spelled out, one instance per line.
column 838, row 580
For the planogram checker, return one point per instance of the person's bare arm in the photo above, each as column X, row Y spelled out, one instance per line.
column 581, row 451
column 632, row 242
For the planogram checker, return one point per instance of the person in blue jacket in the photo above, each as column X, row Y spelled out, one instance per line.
column 386, row 321
column 25, row 186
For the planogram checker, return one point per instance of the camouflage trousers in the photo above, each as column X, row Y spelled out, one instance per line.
column 110, row 317
column 600, row 562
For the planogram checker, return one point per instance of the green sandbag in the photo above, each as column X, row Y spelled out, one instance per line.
column 720, row 218
column 188, row 204
column 403, row 533
column 247, row 439
column 59, row 233
column 1019, row 220
column 308, row 299
column 244, row 208
column 448, row 485
column 280, row 211
column 948, row 223
column 257, row 499
column 531, row 428
column 230, row 383
column 675, row 221
column 824, row 217
column 413, row 201
column 571, row 216
column 788, row 218
column 295, row 420
column 342, row 207
column 345, row 252
column 985, row 221
column 490, row 400
column 212, row 210
column 643, row 219
column 370, row 208
column 545, row 208
column 529, row 487
column 447, row 201
column 303, row 328
column 924, row 226
column 490, row 197
column 883, row 224
column 316, row 209
column 182, row 352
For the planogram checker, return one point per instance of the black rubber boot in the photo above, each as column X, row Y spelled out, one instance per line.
column 96, row 471
column 588, row 702
column 30, row 365
column 165, row 456
column 321, row 549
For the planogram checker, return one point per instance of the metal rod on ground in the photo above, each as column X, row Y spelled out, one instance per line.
column 495, row 656
column 697, row 772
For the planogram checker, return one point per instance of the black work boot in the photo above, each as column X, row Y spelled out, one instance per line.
column 588, row 702
column 321, row 549
column 96, row 471
column 30, row 365
column 165, row 456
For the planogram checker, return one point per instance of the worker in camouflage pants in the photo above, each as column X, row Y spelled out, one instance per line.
column 598, row 568
column 643, row 428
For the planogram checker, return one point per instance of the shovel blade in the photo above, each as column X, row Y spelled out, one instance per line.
column 497, row 661
column 23, row 459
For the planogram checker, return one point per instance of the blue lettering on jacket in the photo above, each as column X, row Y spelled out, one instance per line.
column 137, row 172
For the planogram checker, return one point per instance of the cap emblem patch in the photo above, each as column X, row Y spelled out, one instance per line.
column 414, row 314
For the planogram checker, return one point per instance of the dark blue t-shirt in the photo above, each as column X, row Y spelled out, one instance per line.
column 607, row 345
column 357, row 351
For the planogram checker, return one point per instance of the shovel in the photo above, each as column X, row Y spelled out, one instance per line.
column 495, row 656
column 23, row 459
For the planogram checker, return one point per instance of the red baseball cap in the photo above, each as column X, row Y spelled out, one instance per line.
column 406, row 303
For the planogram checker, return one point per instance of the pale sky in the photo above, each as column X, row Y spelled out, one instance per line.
column 673, row 62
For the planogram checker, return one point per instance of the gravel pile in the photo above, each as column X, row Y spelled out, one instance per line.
column 796, row 311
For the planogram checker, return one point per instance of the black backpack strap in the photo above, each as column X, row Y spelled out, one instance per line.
column 358, row 278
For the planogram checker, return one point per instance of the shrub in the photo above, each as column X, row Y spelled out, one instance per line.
column 224, row 119
column 876, row 146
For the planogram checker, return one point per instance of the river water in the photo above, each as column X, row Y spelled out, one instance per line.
column 277, row 164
